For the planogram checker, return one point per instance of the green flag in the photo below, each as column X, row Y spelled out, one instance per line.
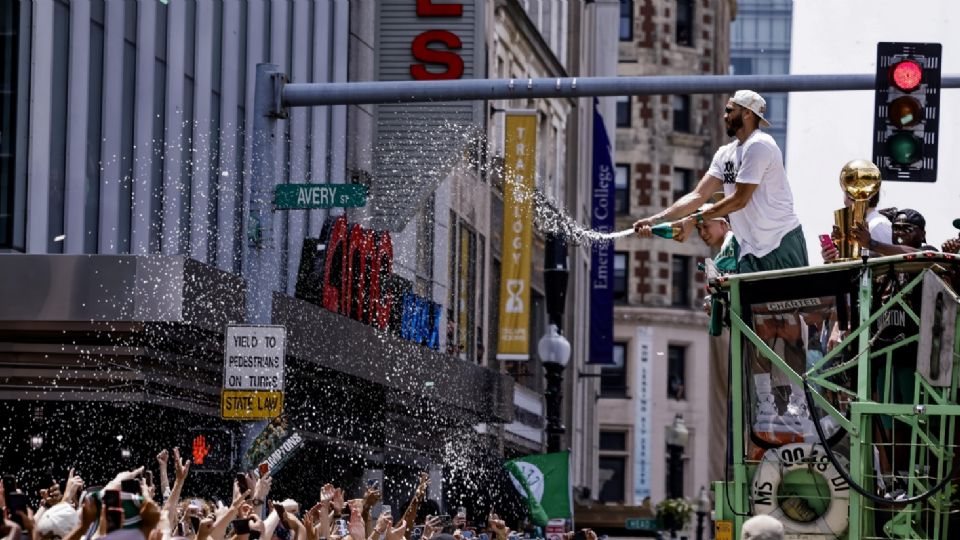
column 544, row 481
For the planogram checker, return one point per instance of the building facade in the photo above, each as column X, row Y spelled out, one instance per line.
column 126, row 191
column 663, row 147
column 760, row 45
column 127, row 164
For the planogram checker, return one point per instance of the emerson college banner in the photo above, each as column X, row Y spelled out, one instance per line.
column 520, row 159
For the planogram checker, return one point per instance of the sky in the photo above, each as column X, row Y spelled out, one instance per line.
column 825, row 130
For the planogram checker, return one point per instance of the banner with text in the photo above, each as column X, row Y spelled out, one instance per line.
column 601, row 253
column 643, row 347
column 520, row 158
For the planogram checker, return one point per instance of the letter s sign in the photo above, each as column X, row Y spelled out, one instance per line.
column 422, row 52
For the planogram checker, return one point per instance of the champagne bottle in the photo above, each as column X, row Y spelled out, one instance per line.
column 663, row 230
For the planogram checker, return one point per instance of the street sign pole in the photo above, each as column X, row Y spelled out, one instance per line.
column 261, row 268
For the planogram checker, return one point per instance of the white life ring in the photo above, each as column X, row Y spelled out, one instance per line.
column 777, row 463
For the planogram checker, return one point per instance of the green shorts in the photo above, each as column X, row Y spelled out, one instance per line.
column 791, row 253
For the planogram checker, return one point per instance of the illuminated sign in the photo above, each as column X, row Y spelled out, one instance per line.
column 211, row 449
column 349, row 270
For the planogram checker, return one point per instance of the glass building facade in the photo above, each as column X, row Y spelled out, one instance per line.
column 760, row 45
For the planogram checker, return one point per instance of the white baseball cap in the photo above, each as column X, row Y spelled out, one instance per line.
column 762, row 527
column 752, row 101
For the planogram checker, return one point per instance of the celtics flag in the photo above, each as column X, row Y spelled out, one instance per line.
column 544, row 481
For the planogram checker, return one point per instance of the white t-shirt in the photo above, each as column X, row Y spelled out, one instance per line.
column 880, row 227
column 762, row 224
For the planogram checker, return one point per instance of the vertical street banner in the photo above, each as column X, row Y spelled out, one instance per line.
column 643, row 346
column 544, row 482
column 520, row 158
column 603, row 192
column 465, row 291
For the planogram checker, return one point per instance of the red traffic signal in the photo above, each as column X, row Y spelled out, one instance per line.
column 906, row 75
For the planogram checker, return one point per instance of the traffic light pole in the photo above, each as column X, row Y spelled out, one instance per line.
column 274, row 95
column 355, row 93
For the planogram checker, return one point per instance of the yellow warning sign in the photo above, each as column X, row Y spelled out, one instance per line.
column 724, row 530
column 247, row 404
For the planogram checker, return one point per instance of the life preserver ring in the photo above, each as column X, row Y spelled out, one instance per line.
column 777, row 463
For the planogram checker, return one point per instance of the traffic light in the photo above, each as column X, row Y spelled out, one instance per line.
column 906, row 111
column 209, row 449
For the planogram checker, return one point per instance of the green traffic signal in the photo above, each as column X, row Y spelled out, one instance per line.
column 904, row 148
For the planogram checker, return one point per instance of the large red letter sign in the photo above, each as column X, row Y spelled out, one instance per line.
column 422, row 52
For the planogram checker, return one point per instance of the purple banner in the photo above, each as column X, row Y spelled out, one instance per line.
column 603, row 192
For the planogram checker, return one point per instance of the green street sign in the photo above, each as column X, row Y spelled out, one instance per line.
column 307, row 196
column 641, row 524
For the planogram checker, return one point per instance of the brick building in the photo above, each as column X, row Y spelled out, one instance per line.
column 663, row 147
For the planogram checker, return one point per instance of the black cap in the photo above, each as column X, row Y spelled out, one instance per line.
column 909, row 215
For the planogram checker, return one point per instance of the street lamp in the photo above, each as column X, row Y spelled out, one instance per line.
column 677, row 437
column 554, row 349
column 703, row 508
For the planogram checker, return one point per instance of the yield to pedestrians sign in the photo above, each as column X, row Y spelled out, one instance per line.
column 253, row 372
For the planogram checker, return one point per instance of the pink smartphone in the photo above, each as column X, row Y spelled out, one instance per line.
column 826, row 241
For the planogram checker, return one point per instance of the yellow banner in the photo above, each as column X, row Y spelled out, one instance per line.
column 520, row 159
column 250, row 404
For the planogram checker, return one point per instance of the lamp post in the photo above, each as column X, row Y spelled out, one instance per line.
column 554, row 349
column 703, row 508
column 677, row 436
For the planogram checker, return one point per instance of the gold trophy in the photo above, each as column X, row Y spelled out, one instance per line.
column 860, row 180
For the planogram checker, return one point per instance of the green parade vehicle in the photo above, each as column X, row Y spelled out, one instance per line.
column 849, row 370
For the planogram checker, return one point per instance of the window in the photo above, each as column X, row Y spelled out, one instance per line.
column 9, row 40
column 613, row 440
column 619, row 277
column 685, row 23
column 613, row 379
column 613, row 466
column 741, row 66
column 626, row 20
column 621, row 184
column 681, row 113
column 682, row 182
column 623, row 111
column 676, row 372
column 680, row 281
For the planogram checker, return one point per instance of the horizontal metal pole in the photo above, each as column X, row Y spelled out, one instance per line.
column 355, row 93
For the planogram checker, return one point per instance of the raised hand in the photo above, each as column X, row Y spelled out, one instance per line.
column 310, row 522
column 431, row 526
column 51, row 495
column 424, row 482
column 324, row 519
column 181, row 467
column 497, row 526
column 396, row 533
column 162, row 458
column 204, row 530
column 326, row 493
column 383, row 523
column 124, row 475
column 356, row 527
column 337, row 500
column 951, row 246
column 262, row 489
column 371, row 498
